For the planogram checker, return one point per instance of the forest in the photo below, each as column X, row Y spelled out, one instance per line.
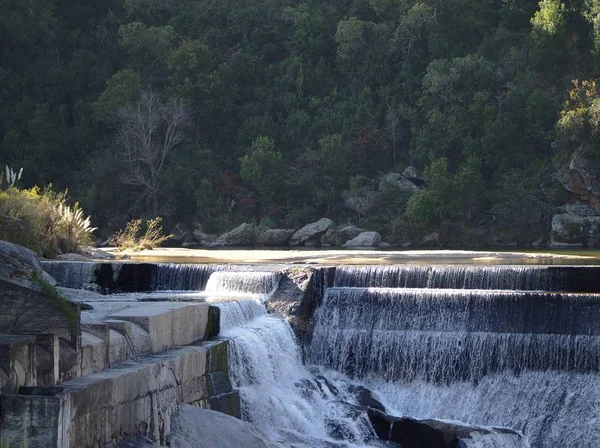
column 281, row 112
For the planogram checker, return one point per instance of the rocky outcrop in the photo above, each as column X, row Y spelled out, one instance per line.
column 275, row 237
column 311, row 232
column 396, row 182
column 202, row 238
column 581, row 177
column 297, row 296
column 364, row 239
column 202, row 428
column 575, row 224
column 243, row 235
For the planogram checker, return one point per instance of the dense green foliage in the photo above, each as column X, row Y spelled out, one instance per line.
column 231, row 111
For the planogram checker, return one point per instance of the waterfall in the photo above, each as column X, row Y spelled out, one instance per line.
column 542, row 278
column 71, row 274
column 183, row 277
column 253, row 282
column 235, row 313
column 280, row 396
column 490, row 356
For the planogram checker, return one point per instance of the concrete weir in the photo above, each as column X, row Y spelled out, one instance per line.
column 137, row 340
column 133, row 367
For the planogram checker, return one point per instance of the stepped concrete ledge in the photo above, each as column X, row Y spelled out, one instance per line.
column 138, row 397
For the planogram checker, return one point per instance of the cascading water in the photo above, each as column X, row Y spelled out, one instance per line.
column 261, row 283
column 525, row 360
column 541, row 278
column 279, row 395
column 183, row 277
column 71, row 274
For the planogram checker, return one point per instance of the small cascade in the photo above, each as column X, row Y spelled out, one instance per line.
column 541, row 278
column 235, row 313
column 252, row 282
column 72, row 274
column 183, row 277
column 280, row 396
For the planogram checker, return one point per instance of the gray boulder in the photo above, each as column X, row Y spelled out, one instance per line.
column 396, row 182
column 275, row 237
column 19, row 263
column 361, row 201
column 202, row 238
column 412, row 174
column 575, row 224
column 337, row 236
column 364, row 239
column 311, row 232
column 201, row 428
column 243, row 235
column 182, row 235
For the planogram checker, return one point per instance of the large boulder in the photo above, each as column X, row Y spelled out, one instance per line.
column 182, row 234
column 396, row 182
column 364, row 239
column 412, row 433
column 311, row 232
column 361, row 200
column 19, row 264
column 297, row 296
column 201, row 428
column 275, row 237
column 575, row 224
column 243, row 235
column 412, row 174
column 336, row 236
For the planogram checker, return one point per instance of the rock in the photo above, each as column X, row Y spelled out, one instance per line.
column 581, row 177
column 72, row 257
column 577, row 209
column 298, row 293
column 364, row 239
column 336, row 236
column 275, row 237
column 243, row 235
column 431, row 239
column 384, row 245
column 92, row 252
column 364, row 397
column 396, row 182
column 361, row 201
column 201, row 428
column 311, row 232
column 575, row 224
column 19, row 263
column 204, row 239
column 412, row 433
column 181, row 233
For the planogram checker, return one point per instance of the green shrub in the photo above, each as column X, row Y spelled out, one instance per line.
column 140, row 234
column 42, row 221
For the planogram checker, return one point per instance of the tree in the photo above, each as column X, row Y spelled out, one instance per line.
column 148, row 132
column 263, row 167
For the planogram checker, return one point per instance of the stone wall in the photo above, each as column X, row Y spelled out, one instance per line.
column 137, row 398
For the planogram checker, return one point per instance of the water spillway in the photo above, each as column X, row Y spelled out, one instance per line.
column 541, row 278
column 460, row 343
